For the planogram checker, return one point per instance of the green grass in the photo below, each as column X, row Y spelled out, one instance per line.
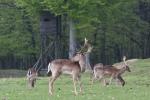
column 137, row 87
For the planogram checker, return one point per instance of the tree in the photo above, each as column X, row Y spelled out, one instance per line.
column 115, row 28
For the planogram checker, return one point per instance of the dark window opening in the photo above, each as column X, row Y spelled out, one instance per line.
column 46, row 19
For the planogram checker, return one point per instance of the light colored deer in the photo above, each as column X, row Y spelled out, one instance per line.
column 101, row 72
column 74, row 67
column 94, row 75
column 31, row 77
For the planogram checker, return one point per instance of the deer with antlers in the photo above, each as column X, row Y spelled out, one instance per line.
column 31, row 77
column 74, row 67
column 101, row 72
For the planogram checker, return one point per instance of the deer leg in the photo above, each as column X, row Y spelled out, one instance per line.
column 51, row 85
column 104, row 82
column 74, row 83
column 30, row 82
column 101, row 78
column 97, row 76
column 93, row 78
column 117, row 81
column 121, row 80
column 33, row 81
column 80, row 84
column 51, row 82
column 110, row 81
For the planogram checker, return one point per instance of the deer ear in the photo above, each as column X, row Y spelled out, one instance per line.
column 85, row 41
column 124, row 58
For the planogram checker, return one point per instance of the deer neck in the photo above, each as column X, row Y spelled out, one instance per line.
column 82, row 65
column 122, row 70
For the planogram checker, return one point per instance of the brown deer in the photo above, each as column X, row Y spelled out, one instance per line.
column 31, row 77
column 74, row 67
column 112, row 72
column 94, row 75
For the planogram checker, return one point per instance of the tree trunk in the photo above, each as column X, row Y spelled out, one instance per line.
column 88, row 65
column 58, row 38
column 72, row 42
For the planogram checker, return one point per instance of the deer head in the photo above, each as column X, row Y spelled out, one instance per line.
column 80, row 55
column 32, row 75
column 126, row 65
column 87, row 46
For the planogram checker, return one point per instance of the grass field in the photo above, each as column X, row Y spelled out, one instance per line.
column 137, row 87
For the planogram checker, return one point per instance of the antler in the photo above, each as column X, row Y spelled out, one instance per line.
column 85, row 41
column 89, row 49
column 124, row 60
column 87, row 46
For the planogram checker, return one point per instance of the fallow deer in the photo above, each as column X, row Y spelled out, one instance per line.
column 31, row 77
column 74, row 67
column 94, row 75
column 112, row 72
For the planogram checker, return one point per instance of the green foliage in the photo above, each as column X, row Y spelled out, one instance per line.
column 17, row 30
column 14, row 35
column 114, row 27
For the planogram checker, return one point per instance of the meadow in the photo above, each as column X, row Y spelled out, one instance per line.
column 137, row 87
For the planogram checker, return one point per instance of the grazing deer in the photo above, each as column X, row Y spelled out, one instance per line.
column 112, row 72
column 31, row 77
column 74, row 67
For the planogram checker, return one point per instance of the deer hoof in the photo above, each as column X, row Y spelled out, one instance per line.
column 81, row 92
column 75, row 92
column 50, row 93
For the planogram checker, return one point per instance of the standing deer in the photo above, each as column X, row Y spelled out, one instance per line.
column 31, row 77
column 74, row 67
column 112, row 72
column 94, row 75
